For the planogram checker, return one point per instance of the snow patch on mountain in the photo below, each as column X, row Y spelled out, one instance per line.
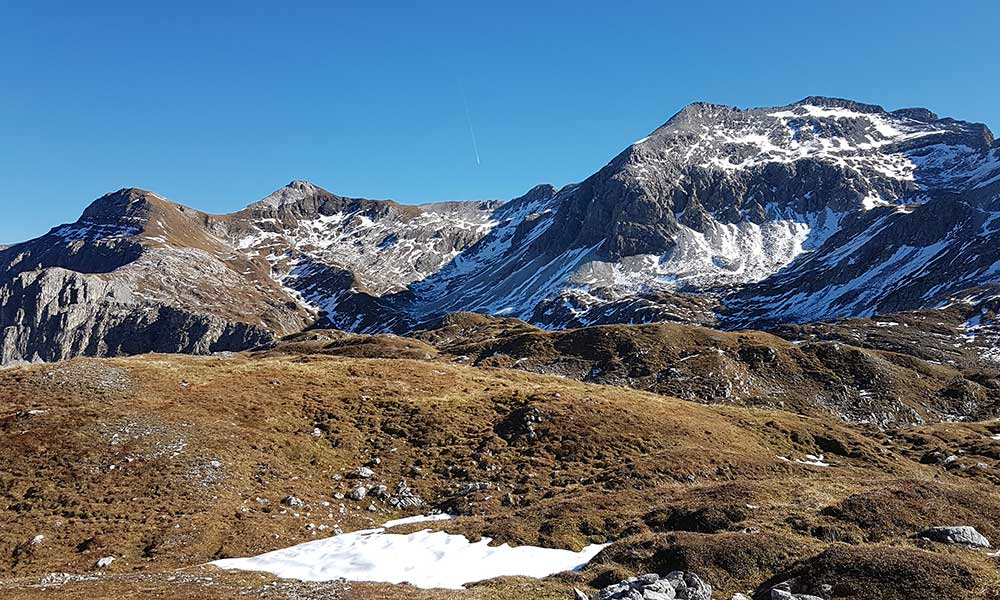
column 425, row 559
column 845, row 137
column 385, row 250
column 94, row 231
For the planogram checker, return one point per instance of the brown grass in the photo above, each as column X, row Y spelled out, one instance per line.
column 159, row 461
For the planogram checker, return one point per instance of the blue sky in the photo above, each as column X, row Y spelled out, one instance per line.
column 215, row 104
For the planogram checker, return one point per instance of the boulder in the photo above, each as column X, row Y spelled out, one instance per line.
column 956, row 534
column 677, row 585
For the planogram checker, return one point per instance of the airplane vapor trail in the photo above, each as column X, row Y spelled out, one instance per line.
column 468, row 119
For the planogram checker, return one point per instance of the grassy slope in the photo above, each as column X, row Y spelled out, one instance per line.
column 160, row 460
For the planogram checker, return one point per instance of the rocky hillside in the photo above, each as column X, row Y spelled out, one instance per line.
column 721, row 199
column 882, row 373
column 817, row 210
column 137, row 273
column 123, row 477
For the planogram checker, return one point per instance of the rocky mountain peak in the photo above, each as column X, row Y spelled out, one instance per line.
column 126, row 203
column 542, row 191
column 296, row 191
column 917, row 114
column 535, row 197
column 693, row 115
column 845, row 103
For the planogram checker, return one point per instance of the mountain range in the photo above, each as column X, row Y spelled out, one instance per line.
column 733, row 218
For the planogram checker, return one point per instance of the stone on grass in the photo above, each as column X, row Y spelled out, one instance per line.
column 676, row 585
column 956, row 534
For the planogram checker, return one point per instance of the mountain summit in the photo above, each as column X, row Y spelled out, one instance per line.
column 739, row 217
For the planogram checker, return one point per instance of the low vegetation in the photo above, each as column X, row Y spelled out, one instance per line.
column 167, row 462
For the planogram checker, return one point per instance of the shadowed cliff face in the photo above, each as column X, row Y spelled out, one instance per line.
column 134, row 274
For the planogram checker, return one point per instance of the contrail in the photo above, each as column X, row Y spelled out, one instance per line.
column 468, row 119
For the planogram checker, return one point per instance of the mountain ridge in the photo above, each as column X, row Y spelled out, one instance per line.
column 822, row 208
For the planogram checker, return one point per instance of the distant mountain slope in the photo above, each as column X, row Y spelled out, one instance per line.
column 750, row 206
column 135, row 273
column 821, row 209
column 138, row 273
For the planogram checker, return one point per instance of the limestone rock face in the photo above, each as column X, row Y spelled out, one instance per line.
column 53, row 314
column 135, row 274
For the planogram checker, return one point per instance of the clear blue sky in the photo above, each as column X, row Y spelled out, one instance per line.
column 215, row 104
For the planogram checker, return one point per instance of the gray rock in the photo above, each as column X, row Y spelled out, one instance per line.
column 358, row 493
column 53, row 313
column 676, row 585
column 689, row 586
column 958, row 534
column 473, row 486
column 364, row 473
column 292, row 501
column 783, row 591
column 403, row 497
column 786, row 595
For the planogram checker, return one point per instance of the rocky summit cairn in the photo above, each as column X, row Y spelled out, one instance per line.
column 678, row 585
column 963, row 535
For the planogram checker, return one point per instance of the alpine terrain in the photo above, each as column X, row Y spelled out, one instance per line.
column 757, row 355
column 821, row 209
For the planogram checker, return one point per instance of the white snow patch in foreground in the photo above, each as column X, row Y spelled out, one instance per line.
column 425, row 559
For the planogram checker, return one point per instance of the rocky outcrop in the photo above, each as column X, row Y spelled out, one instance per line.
column 677, row 584
column 54, row 313
column 903, row 369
